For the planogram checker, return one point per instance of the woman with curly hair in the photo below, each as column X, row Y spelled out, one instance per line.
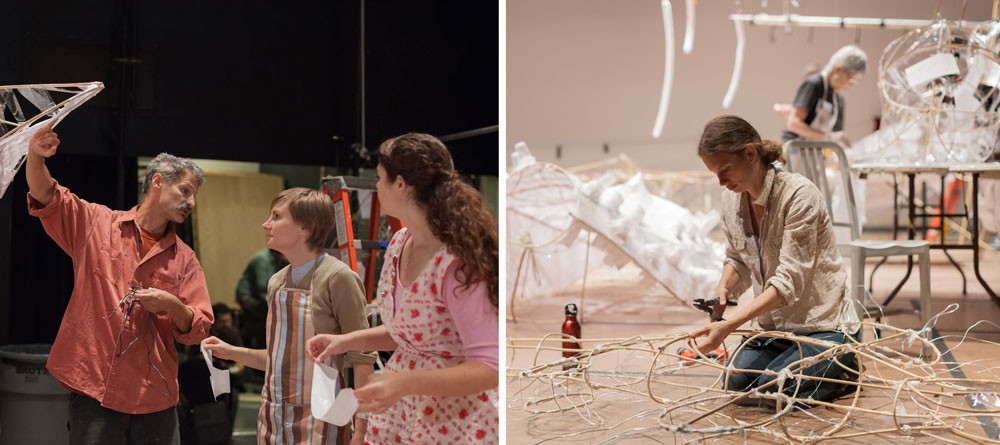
column 438, row 299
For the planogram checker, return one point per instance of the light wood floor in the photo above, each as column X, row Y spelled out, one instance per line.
column 969, row 336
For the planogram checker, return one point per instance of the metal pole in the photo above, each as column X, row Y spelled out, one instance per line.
column 832, row 22
column 362, row 63
column 469, row 133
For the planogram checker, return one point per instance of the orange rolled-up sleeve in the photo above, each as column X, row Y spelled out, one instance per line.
column 193, row 293
column 67, row 219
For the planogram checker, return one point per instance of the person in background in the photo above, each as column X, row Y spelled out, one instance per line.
column 784, row 109
column 818, row 109
column 251, row 293
column 315, row 294
column 223, row 326
column 137, row 290
column 224, row 329
column 437, row 298
column 780, row 242
column 196, row 389
column 204, row 419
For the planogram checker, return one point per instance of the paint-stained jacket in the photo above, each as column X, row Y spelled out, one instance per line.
column 796, row 253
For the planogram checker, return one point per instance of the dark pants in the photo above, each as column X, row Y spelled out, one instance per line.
column 776, row 354
column 92, row 424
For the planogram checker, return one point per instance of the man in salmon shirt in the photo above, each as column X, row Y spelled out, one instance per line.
column 137, row 289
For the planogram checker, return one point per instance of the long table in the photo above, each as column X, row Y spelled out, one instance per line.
column 972, row 214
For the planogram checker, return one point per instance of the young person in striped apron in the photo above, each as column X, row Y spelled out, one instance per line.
column 315, row 294
column 438, row 298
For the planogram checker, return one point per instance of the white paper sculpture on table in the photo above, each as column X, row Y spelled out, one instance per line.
column 559, row 227
column 939, row 94
column 26, row 108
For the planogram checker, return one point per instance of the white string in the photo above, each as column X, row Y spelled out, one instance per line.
column 904, row 395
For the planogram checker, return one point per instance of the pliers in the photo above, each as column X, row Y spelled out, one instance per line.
column 709, row 306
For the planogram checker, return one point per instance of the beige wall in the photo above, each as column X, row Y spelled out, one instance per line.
column 231, row 208
column 582, row 73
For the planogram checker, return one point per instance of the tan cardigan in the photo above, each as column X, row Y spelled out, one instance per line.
column 338, row 302
column 796, row 254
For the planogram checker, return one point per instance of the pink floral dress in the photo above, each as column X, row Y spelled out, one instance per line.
column 427, row 338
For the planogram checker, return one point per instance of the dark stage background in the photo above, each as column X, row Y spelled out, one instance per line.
column 294, row 82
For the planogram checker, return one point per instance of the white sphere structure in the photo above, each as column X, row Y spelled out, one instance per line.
column 939, row 94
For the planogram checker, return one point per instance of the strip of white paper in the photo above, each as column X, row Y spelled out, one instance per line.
column 329, row 403
column 219, row 377
column 938, row 65
column 689, row 28
column 734, row 80
column 668, row 67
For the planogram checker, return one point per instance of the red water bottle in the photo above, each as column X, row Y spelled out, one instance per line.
column 571, row 327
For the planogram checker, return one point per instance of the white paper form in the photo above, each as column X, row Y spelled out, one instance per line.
column 219, row 377
column 933, row 67
column 328, row 404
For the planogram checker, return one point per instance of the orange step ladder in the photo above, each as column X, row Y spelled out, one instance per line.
column 339, row 188
column 951, row 196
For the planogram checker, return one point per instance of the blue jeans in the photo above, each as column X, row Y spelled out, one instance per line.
column 774, row 354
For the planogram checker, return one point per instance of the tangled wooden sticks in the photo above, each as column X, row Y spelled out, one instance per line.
column 626, row 389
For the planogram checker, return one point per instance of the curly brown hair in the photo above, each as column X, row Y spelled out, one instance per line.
column 455, row 210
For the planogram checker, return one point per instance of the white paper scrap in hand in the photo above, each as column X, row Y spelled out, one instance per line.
column 327, row 404
column 219, row 377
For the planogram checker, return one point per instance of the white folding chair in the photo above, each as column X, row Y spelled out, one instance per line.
column 808, row 158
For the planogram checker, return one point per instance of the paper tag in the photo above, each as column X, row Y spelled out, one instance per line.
column 219, row 377
column 327, row 403
column 933, row 67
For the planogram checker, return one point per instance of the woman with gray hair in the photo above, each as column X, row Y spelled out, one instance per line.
column 818, row 108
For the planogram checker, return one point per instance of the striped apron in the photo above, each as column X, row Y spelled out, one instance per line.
column 284, row 417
